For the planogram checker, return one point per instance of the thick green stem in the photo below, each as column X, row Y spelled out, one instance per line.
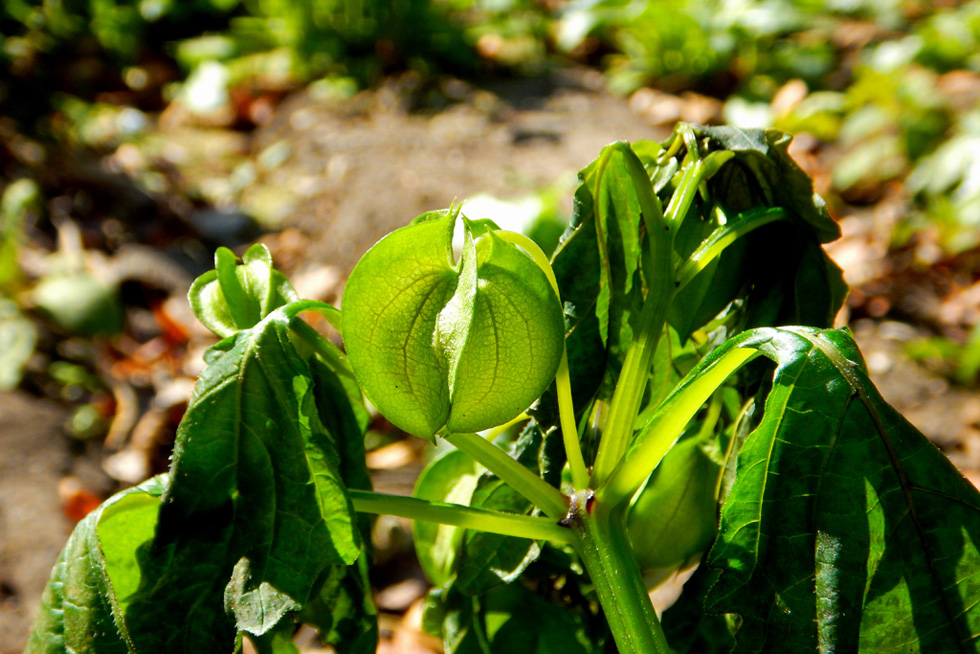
column 668, row 423
column 508, row 524
column 538, row 491
column 605, row 551
column 625, row 404
column 566, row 412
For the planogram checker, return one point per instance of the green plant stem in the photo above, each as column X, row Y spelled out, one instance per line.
column 666, row 426
column 605, row 551
column 721, row 238
column 632, row 382
column 508, row 524
column 569, row 430
column 538, row 491
column 326, row 350
column 696, row 173
column 566, row 410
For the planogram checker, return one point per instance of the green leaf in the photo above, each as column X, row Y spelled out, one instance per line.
column 343, row 611
column 673, row 519
column 518, row 620
column 95, row 575
column 256, row 499
column 508, row 619
column 845, row 529
column 617, row 210
column 450, row 478
column 19, row 200
column 598, row 263
column 487, row 560
column 765, row 174
column 577, row 269
column 689, row 628
column 779, row 272
column 467, row 345
column 449, row 615
column 17, row 339
column 617, row 223
column 79, row 304
column 237, row 296
column 277, row 641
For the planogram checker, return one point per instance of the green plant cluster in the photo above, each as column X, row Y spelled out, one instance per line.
column 664, row 391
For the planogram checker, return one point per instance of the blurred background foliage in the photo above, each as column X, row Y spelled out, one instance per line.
column 884, row 95
column 887, row 82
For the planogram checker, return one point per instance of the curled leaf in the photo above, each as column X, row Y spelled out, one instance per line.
column 237, row 296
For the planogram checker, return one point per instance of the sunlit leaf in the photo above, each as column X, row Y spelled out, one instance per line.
column 451, row 478
column 18, row 336
column 845, row 530
column 96, row 575
column 237, row 296
column 256, row 498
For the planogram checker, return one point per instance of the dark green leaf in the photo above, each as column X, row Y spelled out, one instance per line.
column 577, row 269
column 689, row 628
column 277, row 641
column 343, row 611
column 845, row 529
column 487, row 560
column 255, row 494
column 598, row 263
column 764, row 174
column 507, row 619
column 517, row 620
column 449, row 615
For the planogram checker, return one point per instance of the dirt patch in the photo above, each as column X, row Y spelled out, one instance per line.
column 359, row 170
column 33, row 527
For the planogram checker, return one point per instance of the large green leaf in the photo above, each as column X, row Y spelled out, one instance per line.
column 467, row 345
column 342, row 609
column 96, row 575
column 256, row 509
column 578, row 271
column 597, row 263
column 764, row 174
column 845, row 529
